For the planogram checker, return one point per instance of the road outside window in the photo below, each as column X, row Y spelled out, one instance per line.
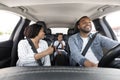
column 8, row 21
column 113, row 20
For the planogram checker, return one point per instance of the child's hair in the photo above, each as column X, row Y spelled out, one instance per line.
column 59, row 34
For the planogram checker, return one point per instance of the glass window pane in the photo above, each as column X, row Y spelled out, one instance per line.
column 113, row 20
column 8, row 21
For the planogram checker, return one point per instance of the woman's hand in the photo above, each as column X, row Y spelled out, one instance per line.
column 50, row 50
column 44, row 53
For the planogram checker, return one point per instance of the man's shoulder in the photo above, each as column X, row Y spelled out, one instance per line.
column 74, row 35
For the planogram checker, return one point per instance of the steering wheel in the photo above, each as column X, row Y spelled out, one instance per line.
column 111, row 59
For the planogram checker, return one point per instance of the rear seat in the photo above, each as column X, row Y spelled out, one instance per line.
column 65, row 38
column 62, row 60
column 69, row 33
column 50, row 38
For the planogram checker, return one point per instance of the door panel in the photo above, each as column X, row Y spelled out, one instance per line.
column 8, row 26
column 5, row 53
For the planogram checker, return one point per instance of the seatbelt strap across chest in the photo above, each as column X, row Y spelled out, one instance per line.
column 88, row 44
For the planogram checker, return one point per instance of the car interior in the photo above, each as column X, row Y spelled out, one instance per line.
column 64, row 15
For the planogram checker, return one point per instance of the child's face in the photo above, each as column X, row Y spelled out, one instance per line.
column 60, row 37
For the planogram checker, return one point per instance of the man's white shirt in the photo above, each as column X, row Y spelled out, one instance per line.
column 89, row 55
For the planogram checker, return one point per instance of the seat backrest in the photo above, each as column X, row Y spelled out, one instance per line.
column 70, row 31
column 76, row 30
column 49, row 37
column 43, row 24
column 48, row 31
column 18, row 35
column 65, row 38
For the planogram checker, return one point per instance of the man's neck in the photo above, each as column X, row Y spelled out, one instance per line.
column 84, row 35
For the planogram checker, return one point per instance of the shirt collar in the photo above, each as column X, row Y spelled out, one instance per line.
column 90, row 35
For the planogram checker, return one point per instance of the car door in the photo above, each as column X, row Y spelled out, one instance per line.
column 8, row 23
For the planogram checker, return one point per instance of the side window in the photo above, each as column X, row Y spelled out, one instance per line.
column 113, row 20
column 8, row 21
column 93, row 28
column 32, row 22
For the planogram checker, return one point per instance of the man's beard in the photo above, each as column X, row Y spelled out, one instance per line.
column 85, row 31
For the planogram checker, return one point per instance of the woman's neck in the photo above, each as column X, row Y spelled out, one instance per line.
column 36, row 42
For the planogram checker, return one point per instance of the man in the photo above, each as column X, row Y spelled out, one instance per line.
column 78, row 41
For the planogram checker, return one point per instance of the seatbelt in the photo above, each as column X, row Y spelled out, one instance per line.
column 34, row 50
column 88, row 44
column 57, row 45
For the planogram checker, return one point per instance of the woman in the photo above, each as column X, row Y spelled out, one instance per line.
column 26, row 55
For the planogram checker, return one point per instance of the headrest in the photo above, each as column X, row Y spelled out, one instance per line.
column 48, row 31
column 70, row 31
column 42, row 23
column 76, row 30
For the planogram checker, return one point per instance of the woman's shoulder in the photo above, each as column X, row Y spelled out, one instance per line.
column 43, row 41
column 23, row 42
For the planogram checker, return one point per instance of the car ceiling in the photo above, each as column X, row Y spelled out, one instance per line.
column 63, row 13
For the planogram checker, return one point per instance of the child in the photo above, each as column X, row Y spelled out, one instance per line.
column 59, row 45
column 60, row 54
